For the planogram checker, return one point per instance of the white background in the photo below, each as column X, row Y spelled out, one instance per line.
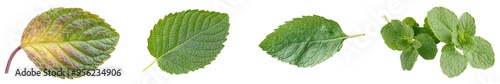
column 364, row 60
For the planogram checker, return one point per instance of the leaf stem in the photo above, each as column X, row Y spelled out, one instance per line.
column 10, row 59
column 143, row 70
column 385, row 18
column 356, row 35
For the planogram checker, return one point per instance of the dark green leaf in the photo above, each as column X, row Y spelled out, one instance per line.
column 429, row 49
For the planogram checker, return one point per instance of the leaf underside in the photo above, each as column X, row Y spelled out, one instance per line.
column 305, row 41
column 188, row 40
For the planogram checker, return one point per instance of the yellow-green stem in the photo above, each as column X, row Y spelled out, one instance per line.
column 385, row 18
column 143, row 70
column 356, row 35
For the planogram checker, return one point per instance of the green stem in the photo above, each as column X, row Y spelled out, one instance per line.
column 356, row 35
column 385, row 18
column 143, row 70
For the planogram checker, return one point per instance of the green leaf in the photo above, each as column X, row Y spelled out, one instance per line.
column 408, row 58
column 68, row 39
column 187, row 41
column 442, row 22
column 426, row 23
column 404, row 44
column 440, row 25
column 416, row 44
column 463, row 36
column 467, row 24
column 410, row 22
column 396, row 32
column 481, row 55
column 429, row 49
column 426, row 29
column 466, row 42
column 452, row 62
column 305, row 41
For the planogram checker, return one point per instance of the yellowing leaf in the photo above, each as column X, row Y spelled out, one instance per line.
column 68, row 39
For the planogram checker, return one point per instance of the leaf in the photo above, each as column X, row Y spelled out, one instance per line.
column 426, row 23
column 416, row 44
column 480, row 56
column 404, row 44
column 187, row 41
column 426, row 29
column 408, row 58
column 429, row 49
column 440, row 25
column 407, row 44
column 305, row 41
column 442, row 22
column 452, row 62
column 466, row 29
column 396, row 32
column 466, row 43
column 466, row 24
column 68, row 39
column 410, row 22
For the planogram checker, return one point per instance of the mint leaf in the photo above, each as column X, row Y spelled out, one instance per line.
column 305, row 41
column 397, row 35
column 416, row 44
column 442, row 22
column 440, row 25
column 426, row 29
column 408, row 58
column 429, row 49
column 481, row 55
column 426, row 23
column 67, row 39
column 404, row 44
column 466, row 24
column 452, row 62
column 187, row 41
column 466, row 42
column 464, row 34
column 410, row 22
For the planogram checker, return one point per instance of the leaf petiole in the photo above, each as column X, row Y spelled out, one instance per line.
column 143, row 70
column 10, row 59
column 355, row 35
column 386, row 19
